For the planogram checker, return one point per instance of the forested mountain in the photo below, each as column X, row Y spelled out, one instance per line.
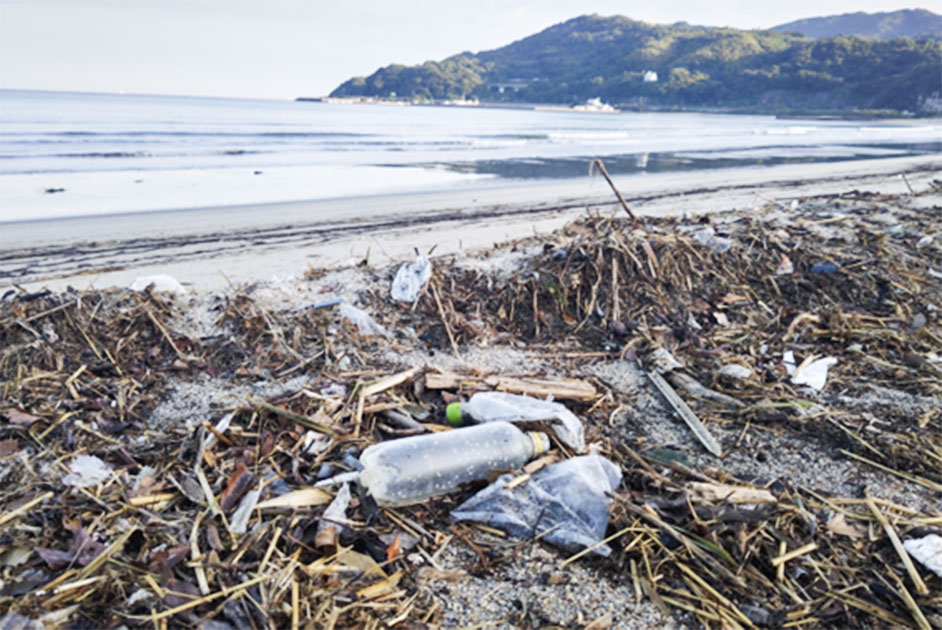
column 915, row 23
column 615, row 59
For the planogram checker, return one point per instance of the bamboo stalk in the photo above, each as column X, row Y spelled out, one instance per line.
column 791, row 555
column 921, row 587
column 597, row 163
column 26, row 507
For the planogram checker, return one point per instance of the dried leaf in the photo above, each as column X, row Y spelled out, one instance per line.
column 20, row 418
column 839, row 525
column 785, row 266
column 8, row 447
column 304, row 497
column 393, row 550
column 381, row 587
column 238, row 484
column 729, row 494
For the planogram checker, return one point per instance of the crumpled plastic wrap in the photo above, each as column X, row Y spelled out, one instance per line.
column 363, row 321
column 569, row 498
column 410, row 279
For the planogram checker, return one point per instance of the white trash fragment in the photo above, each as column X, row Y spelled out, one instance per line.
column 788, row 358
column 785, row 266
column 707, row 236
column 814, row 375
column 336, row 511
column 734, row 370
column 139, row 595
column 927, row 551
column 86, row 471
column 161, row 282
column 410, row 279
column 664, row 361
column 315, row 443
column 240, row 518
column 925, row 240
column 363, row 321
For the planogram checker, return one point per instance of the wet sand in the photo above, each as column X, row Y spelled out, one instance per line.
column 207, row 247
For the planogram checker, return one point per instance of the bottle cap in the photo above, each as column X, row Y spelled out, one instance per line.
column 541, row 442
column 453, row 414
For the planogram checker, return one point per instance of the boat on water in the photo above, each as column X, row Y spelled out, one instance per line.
column 595, row 105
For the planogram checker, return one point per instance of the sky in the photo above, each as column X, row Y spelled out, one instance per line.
column 289, row 48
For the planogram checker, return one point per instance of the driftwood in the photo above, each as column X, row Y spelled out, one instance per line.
column 562, row 389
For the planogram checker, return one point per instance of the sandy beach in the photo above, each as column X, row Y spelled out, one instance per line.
column 209, row 247
column 186, row 400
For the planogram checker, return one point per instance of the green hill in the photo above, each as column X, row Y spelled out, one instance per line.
column 697, row 67
column 915, row 23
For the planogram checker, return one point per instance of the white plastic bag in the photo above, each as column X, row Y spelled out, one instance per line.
column 86, row 471
column 410, row 279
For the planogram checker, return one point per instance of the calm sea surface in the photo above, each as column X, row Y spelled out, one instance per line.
column 287, row 150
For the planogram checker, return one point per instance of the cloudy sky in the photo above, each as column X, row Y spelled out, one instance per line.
column 287, row 48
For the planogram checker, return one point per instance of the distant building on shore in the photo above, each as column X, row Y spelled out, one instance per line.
column 650, row 76
column 511, row 85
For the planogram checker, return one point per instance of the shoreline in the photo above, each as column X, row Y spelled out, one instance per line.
column 278, row 240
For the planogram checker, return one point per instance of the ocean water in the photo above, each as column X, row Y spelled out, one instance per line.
column 68, row 154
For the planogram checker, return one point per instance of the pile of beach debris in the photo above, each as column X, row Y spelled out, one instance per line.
column 818, row 322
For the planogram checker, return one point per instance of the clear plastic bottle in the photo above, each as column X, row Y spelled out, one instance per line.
column 504, row 407
column 410, row 470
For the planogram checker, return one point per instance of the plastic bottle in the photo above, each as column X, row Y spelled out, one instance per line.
column 410, row 470
column 504, row 407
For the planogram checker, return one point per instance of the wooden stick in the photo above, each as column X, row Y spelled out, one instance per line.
column 307, row 422
column 163, row 330
column 907, row 597
column 441, row 312
column 597, row 163
column 923, row 482
column 898, row 546
column 388, row 383
column 686, row 413
column 26, row 507
column 203, row 600
column 791, row 555
column 604, row 541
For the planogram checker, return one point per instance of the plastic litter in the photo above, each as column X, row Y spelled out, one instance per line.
column 363, row 321
column 567, row 501
column 501, row 406
column 86, row 471
column 410, row 279
column 336, row 511
column 927, row 551
column 825, row 268
column 707, row 236
column 161, row 282
column 813, row 375
column 326, row 303
column 734, row 370
column 413, row 469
